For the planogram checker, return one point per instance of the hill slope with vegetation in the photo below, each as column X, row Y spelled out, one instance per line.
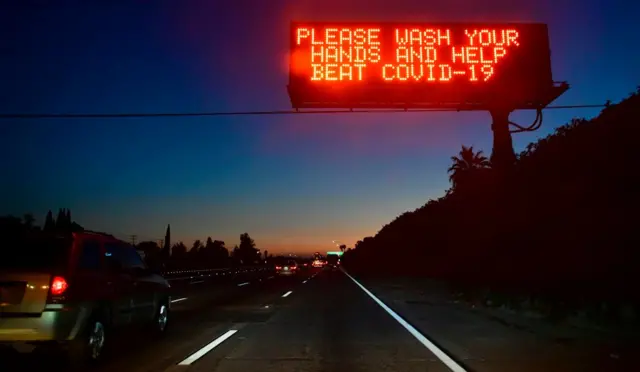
column 563, row 225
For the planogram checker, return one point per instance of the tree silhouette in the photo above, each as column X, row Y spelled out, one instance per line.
column 11, row 228
column 221, row 253
column 151, row 253
column 61, row 220
column 49, row 223
column 196, row 247
column 235, row 254
column 247, row 252
column 212, row 254
column 178, row 249
column 466, row 165
column 208, row 246
column 246, row 242
column 166, row 250
column 29, row 221
column 62, row 224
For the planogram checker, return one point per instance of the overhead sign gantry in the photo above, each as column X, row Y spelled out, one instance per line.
column 463, row 66
column 393, row 65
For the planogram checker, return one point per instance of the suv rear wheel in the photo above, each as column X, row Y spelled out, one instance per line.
column 161, row 319
column 88, row 347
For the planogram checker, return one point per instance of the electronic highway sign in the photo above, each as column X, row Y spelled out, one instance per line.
column 402, row 65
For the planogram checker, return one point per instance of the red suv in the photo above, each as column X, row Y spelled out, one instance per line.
column 74, row 290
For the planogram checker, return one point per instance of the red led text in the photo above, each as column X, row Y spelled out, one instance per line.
column 339, row 54
column 403, row 54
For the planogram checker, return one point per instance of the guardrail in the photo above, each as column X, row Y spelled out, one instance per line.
column 204, row 273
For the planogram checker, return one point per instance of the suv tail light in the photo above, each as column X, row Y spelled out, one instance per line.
column 278, row 267
column 58, row 286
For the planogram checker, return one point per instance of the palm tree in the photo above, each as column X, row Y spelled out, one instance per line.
column 466, row 163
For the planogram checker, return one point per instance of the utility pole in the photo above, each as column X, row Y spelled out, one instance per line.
column 133, row 239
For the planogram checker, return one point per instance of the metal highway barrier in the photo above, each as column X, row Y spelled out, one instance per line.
column 195, row 275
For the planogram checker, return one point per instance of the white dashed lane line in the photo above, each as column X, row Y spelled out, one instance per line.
column 207, row 348
column 213, row 344
column 287, row 294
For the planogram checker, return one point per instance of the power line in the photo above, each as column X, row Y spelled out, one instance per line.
column 562, row 107
column 252, row 113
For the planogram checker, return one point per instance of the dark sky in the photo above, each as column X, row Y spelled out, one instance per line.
column 294, row 183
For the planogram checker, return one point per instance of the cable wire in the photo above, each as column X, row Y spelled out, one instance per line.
column 250, row 113
column 537, row 123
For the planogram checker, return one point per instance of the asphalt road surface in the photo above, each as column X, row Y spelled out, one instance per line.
column 317, row 321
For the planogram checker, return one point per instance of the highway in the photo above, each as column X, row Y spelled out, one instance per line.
column 317, row 321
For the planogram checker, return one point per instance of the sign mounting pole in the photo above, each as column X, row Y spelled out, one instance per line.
column 503, row 156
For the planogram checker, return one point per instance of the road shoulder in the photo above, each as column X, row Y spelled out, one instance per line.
column 491, row 341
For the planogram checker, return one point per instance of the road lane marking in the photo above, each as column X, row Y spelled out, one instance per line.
column 198, row 282
column 241, row 284
column 178, row 300
column 444, row 358
column 287, row 294
column 271, row 277
column 304, row 281
column 207, row 348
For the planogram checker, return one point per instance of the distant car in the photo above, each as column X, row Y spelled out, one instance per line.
column 287, row 268
column 333, row 262
column 72, row 291
column 318, row 263
column 305, row 265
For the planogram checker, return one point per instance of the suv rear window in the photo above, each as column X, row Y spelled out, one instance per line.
column 37, row 253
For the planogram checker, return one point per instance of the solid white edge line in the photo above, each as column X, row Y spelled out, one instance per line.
column 207, row 348
column 241, row 284
column 178, row 300
column 444, row 358
column 287, row 294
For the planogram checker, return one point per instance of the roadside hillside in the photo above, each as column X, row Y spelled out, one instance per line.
column 563, row 226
